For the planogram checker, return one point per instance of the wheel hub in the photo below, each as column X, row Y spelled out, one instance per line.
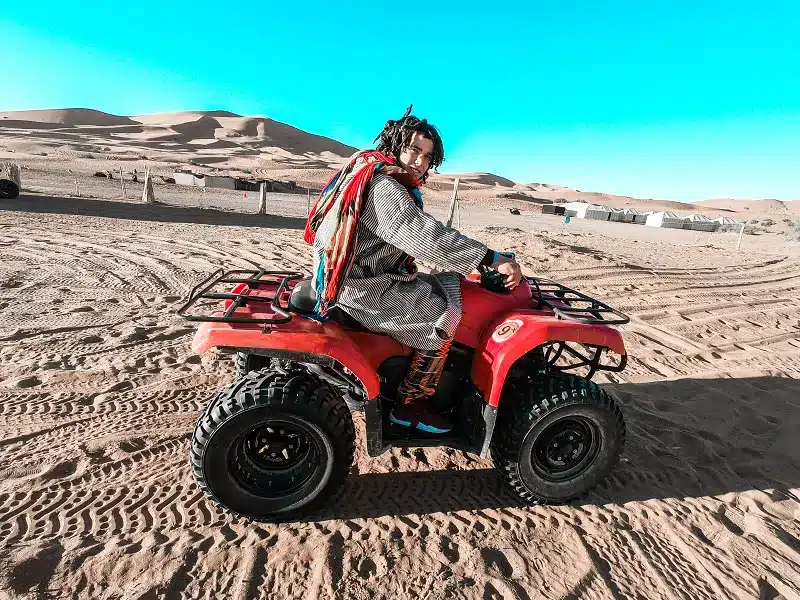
column 565, row 449
column 273, row 458
column 276, row 447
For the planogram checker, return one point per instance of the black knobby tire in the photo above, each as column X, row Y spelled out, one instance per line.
column 237, row 474
column 8, row 189
column 555, row 409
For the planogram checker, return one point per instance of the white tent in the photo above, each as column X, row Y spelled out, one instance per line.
column 664, row 219
column 618, row 214
column 598, row 212
column 189, row 178
column 584, row 210
column 636, row 216
column 576, row 209
column 699, row 222
column 725, row 221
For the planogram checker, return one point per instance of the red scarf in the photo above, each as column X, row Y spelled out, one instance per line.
column 345, row 192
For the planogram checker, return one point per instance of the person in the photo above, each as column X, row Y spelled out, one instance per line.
column 367, row 228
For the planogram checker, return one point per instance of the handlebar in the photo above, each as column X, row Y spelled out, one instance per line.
column 493, row 281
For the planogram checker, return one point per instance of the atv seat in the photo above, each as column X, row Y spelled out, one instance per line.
column 303, row 300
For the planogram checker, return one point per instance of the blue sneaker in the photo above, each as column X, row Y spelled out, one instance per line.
column 417, row 415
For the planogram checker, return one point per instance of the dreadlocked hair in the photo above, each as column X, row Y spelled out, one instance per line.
column 396, row 136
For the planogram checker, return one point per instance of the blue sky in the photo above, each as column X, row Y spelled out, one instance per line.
column 675, row 100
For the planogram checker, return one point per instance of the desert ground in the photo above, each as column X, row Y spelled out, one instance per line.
column 99, row 393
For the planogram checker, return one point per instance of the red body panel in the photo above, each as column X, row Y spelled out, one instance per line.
column 480, row 307
column 360, row 352
column 498, row 350
column 484, row 314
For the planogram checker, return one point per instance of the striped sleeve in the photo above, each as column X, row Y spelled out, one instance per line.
column 392, row 215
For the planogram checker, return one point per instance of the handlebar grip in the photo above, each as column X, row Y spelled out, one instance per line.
column 493, row 281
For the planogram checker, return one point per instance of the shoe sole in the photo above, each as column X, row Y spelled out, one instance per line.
column 420, row 426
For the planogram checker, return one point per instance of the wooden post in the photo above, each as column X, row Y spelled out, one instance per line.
column 77, row 189
column 458, row 210
column 739, row 241
column 453, row 201
column 148, row 196
column 122, row 182
column 308, row 202
column 262, row 198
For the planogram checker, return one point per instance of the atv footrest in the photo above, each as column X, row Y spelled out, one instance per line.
column 250, row 285
column 572, row 305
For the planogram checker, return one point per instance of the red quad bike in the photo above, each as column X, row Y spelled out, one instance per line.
column 279, row 440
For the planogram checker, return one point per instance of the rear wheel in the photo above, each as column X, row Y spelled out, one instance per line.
column 273, row 445
column 557, row 439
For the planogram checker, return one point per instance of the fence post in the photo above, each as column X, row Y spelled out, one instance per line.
column 262, row 198
column 308, row 202
column 739, row 241
column 453, row 202
column 122, row 182
column 148, row 195
column 77, row 189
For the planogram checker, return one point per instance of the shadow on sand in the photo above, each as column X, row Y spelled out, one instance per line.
column 686, row 438
column 162, row 213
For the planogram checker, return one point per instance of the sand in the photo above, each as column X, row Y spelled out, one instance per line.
column 99, row 392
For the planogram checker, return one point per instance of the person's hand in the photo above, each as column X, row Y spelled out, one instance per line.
column 510, row 270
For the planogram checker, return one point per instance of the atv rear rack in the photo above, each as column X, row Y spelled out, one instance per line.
column 571, row 305
column 272, row 284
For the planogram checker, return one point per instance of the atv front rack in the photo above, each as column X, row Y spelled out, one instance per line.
column 572, row 305
column 562, row 357
column 253, row 285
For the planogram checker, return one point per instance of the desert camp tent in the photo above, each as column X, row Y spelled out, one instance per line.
column 553, row 209
column 226, row 182
column 698, row 222
column 619, row 215
column 598, row 212
column 664, row 219
column 189, row 178
column 584, row 210
column 576, row 209
column 725, row 221
column 636, row 216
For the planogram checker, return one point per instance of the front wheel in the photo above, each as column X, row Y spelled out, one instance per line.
column 273, row 445
column 557, row 439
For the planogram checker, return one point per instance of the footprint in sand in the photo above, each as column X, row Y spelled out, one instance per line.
column 496, row 561
column 81, row 309
column 449, row 550
column 27, row 382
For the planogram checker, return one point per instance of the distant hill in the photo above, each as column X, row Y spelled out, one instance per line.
column 66, row 116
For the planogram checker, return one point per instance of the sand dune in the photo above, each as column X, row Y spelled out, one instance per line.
column 259, row 145
column 769, row 207
column 68, row 116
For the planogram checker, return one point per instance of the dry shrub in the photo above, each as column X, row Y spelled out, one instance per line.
column 793, row 233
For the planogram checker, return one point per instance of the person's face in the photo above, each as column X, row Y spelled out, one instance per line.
column 416, row 157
